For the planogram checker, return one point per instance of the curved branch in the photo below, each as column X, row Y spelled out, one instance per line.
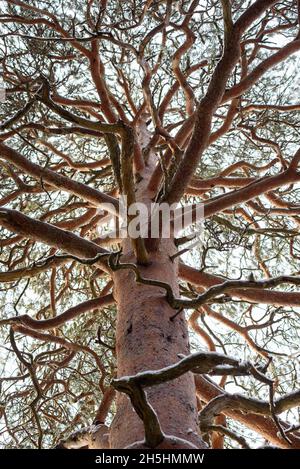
column 212, row 99
column 226, row 401
column 261, row 424
column 66, row 316
column 276, row 298
column 64, row 343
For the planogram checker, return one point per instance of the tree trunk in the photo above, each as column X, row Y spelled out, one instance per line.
column 147, row 339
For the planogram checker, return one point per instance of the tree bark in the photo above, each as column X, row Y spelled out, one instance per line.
column 147, row 339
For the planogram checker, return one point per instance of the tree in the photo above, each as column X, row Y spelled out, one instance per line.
column 192, row 103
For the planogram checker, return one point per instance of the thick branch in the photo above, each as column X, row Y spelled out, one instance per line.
column 276, row 298
column 212, row 99
column 245, row 404
column 59, row 181
column 69, row 242
column 264, row 426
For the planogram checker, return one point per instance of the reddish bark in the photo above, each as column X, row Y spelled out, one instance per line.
column 150, row 333
column 55, row 179
column 206, row 280
column 147, row 339
column 262, row 425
